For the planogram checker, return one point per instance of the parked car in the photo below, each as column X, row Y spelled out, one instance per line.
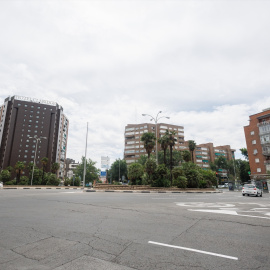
column 251, row 189
column 1, row 184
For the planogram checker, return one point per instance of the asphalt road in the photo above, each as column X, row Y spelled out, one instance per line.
column 66, row 230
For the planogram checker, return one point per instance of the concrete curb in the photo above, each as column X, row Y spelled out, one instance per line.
column 148, row 191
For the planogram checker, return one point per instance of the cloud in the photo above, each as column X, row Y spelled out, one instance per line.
column 203, row 63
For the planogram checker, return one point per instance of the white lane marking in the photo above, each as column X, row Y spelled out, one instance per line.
column 202, row 204
column 228, row 212
column 71, row 192
column 194, row 250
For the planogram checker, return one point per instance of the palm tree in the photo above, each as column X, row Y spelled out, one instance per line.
column 55, row 167
column 171, row 143
column 164, row 143
column 148, row 139
column 19, row 166
column 192, row 147
column 44, row 162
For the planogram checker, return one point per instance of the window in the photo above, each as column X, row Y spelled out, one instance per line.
column 32, row 106
column 25, row 105
column 251, row 132
column 26, row 145
column 259, row 170
column 257, row 160
column 25, row 156
column 253, row 141
column 255, row 151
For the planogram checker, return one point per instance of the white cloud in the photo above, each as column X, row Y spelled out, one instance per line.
column 204, row 63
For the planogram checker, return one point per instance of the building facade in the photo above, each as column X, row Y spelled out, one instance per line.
column 134, row 147
column 30, row 127
column 257, row 135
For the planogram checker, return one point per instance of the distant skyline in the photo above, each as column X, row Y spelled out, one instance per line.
column 205, row 64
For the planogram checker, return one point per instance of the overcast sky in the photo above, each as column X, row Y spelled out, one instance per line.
column 205, row 64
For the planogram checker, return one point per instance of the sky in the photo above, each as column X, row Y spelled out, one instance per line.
column 205, row 64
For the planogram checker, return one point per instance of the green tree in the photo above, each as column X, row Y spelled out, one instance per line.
column 150, row 168
column 91, row 172
column 148, row 140
column 209, row 177
column 244, row 152
column 44, row 162
column 161, row 176
column 142, row 159
column 135, row 173
column 53, row 180
column 179, row 178
column 5, row 176
column 176, row 157
column 242, row 169
column 186, row 155
column 118, row 165
column 171, row 143
column 192, row 173
column 164, row 143
column 19, row 167
column 192, row 147
column 55, row 167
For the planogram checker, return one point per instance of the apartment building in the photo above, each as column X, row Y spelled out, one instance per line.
column 30, row 127
column 257, row 135
column 134, row 147
column 207, row 152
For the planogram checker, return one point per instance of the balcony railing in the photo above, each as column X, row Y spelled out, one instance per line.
column 263, row 123
column 266, row 162
column 266, row 152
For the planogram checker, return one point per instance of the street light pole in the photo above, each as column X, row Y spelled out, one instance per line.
column 84, row 169
column 37, row 140
column 156, row 121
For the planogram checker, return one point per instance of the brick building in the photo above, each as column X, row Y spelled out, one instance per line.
column 22, row 120
column 257, row 135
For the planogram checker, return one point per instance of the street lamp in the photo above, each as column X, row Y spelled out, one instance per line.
column 37, row 140
column 156, row 120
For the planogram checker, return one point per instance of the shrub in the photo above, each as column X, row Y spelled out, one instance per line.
column 24, row 180
column 180, row 182
column 202, row 184
column 53, row 180
column 161, row 177
column 135, row 173
column 67, row 182
column 77, row 182
column 12, row 182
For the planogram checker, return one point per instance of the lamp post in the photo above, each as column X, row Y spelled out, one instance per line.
column 84, row 167
column 156, row 121
column 37, row 140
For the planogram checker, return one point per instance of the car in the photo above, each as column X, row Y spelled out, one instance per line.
column 1, row 184
column 251, row 189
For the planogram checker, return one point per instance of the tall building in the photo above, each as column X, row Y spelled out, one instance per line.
column 30, row 126
column 134, row 147
column 257, row 135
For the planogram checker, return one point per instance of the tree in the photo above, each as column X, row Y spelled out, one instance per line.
column 91, row 172
column 135, row 173
column 44, row 162
column 209, row 177
column 148, row 139
column 176, row 157
column 142, row 159
column 119, row 165
column 55, row 167
column 164, row 143
column 150, row 168
column 5, row 176
column 19, row 167
column 160, row 178
column 53, row 180
column 192, row 173
column 244, row 152
column 171, row 143
column 192, row 147
column 186, row 155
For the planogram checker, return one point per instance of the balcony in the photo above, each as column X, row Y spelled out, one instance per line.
column 263, row 123
column 267, row 162
column 266, row 152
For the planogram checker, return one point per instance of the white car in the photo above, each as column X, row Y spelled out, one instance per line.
column 251, row 189
column 1, row 184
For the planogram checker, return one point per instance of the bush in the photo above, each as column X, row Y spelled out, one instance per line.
column 180, row 182
column 24, row 181
column 67, row 182
column 193, row 174
column 135, row 173
column 202, row 184
column 12, row 182
column 53, row 180
column 77, row 182
column 161, row 177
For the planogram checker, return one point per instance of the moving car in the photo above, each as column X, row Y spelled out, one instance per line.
column 251, row 189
